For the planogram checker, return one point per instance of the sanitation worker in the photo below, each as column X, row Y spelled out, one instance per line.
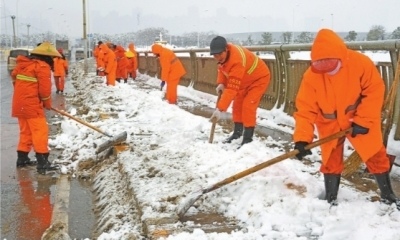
column 98, row 55
column 108, row 64
column 133, row 61
column 341, row 89
column 32, row 93
column 122, row 63
column 242, row 78
column 60, row 70
column 171, row 70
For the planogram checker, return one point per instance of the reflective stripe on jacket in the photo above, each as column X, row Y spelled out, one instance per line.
column 32, row 86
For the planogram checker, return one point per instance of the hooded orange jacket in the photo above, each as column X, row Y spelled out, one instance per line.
column 171, row 66
column 241, row 69
column 332, row 102
column 32, row 86
column 60, row 66
column 108, row 60
column 133, row 61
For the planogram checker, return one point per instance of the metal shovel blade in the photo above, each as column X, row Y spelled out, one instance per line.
column 111, row 142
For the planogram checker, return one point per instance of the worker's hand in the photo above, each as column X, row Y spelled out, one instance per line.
column 216, row 115
column 357, row 129
column 302, row 152
column 47, row 104
column 220, row 88
column 66, row 72
column 101, row 69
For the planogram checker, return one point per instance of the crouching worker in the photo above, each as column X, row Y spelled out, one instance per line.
column 242, row 78
column 32, row 93
column 341, row 89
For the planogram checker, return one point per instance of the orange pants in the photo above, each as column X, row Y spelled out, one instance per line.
column 111, row 78
column 172, row 91
column 132, row 73
column 122, row 73
column 59, row 82
column 378, row 163
column 33, row 132
column 245, row 104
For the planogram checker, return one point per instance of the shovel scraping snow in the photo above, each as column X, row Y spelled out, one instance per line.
column 109, row 143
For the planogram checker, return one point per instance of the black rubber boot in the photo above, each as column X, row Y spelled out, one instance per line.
column 387, row 195
column 332, row 182
column 43, row 163
column 125, row 80
column 23, row 159
column 237, row 133
column 247, row 135
column 118, row 80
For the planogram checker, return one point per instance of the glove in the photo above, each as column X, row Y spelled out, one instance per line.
column 162, row 84
column 101, row 69
column 47, row 104
column 66, row 72
column 302, row 152
column 357, row 129
column 220, row 88
column 216, row 115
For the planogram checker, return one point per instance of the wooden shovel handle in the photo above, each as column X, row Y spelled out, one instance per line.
column 214, row 121
column 275, row 160
column 80, row 121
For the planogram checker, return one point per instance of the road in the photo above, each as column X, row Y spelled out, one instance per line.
column 27, row 198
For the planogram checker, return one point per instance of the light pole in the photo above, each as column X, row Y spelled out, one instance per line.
column 28, row 35
column 15, row 37
column 85, row 64
column 294, row 8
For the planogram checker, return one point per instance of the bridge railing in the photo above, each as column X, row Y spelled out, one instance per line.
column 286, row 72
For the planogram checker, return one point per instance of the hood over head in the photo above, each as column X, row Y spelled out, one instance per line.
column 328, row 44
column 131, row 47
column 156, row 48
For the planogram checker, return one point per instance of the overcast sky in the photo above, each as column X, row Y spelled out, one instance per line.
column 180, row 16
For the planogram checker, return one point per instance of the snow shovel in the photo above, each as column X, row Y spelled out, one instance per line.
column 109, row 143
column 214, row 121
column 185, row 205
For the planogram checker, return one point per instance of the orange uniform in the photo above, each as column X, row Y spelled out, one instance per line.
column 122, row 63
column 133, row 62
column 108, row 63
column 332, row 102
column 98, row 55
column 60, row 70
column 32, row 91
column 246, row 78
column 171, row 70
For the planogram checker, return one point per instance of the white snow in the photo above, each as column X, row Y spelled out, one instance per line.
column 171, row 145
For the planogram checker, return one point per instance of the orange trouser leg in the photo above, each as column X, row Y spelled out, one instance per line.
column 111, row 79
column 244, row 108
column 335, row 164
column 61, row 83
column 122, row 73
column 172, row 91
column 33, row 131
column 57, row 82
column 378, row 163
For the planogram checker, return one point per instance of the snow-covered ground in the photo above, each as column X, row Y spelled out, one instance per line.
column 170, row 158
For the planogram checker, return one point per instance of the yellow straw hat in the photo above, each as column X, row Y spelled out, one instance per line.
column 129, row 54
column 46, row 49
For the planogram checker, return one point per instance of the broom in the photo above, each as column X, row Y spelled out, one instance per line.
column 354, row 161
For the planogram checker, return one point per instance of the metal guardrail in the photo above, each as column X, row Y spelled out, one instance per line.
column 286, row 73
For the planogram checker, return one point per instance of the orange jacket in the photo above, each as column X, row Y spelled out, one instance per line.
column 354, row 93
column 108, row 61
column 171, row 66
column 122, row 61
column 98, row 54
column 32, row 86
column 241, row 69
column 133, row 61
column 60, row 66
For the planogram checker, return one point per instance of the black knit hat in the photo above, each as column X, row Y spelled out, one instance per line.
column 217, row 45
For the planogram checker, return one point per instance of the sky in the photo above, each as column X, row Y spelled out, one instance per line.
column 178, row 17
column 170, row 158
